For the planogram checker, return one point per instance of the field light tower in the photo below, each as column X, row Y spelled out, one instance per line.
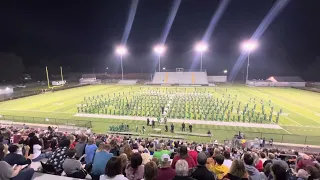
column 248, row 46
column 201, row 47
column 159, row 49
column 225, row 71
column 121, row 50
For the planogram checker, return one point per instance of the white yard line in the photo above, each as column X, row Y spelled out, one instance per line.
column 286, row 131
column 34, row 111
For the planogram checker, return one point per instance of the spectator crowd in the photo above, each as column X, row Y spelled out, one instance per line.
column 111, row 157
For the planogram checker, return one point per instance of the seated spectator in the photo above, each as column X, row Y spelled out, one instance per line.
column 257, row 162
column 90, row 149
column 165, row 171
column 193, row 153
column 182, row 170
column 8, row 172
column 218, row 168
column 266, row 171
column 145, row 154
column 227, row 159
column 135, row 169
column 201, row 171
column 183, row 154
column 252, row 171
column 114, row 148
column 14, row 158
column 160, row 151
column 262, row 157
column 59, row 155
column 113, row 170
column 302, row 175
column 124, row 162
column 73, row 167
column 304, row 162
column 150, row 171
column 73, row 142
column 313, row 171
column 3, row 149
column 128, row 151
column 80, row 146
column 278, row 172
column 36, row 154
column 237, row 171
column 100, row 159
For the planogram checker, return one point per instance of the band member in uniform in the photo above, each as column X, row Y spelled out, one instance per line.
column 190, row 128
column 183, row 128
column 166, row 128
column 148, row 121
column 143, row 129
column 172, row 128
column 209, row 133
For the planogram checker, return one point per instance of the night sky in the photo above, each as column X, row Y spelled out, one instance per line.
column 82, row 35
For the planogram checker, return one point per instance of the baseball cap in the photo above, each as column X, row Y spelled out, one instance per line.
column 165, row 158
column 199, row 148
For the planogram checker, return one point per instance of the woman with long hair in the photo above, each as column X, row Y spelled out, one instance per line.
column 135, row 169
column 113, row 170
column 150, row 171
column 237, row 171
column 128, row 151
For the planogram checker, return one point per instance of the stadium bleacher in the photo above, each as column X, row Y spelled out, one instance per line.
column 127, row 82
column 180, row 78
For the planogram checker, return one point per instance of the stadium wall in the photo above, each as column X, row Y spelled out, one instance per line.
column 217, row 79
column 276, row 84
column 6, row 90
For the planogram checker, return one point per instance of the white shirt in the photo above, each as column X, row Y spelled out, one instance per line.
column 227, row 162
column 36, row 151
column 117, row 177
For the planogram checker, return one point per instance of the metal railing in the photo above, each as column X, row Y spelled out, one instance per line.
column 49, row 121
column 217, row 132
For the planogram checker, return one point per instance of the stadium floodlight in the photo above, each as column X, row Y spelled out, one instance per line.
column 121, row 50
column 164, row 68
column 159, row 49
column 248, row 46
column 7, row 88
column 201, row 47
column 225, row 71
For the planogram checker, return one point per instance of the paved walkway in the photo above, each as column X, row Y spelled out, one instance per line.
column 218, row 123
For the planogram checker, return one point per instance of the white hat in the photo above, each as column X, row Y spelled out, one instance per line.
column 165, row 158
column 199, row 149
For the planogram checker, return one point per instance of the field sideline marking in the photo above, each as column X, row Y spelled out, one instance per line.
column 35, row 111
column 286, row 131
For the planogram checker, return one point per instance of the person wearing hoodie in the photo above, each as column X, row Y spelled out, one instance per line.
column 253, row 173
column 218, row 168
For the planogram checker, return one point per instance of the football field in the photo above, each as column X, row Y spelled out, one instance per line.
column 299, row 118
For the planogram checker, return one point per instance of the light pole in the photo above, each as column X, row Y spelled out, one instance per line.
column 121, row 50
column 200, row 48
column 248, row 46
column 159, row 49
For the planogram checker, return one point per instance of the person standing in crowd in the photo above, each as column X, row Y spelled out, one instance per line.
column 218, row 168
column 90, row 150
column 15, row 172
column 100, row 159
column 166, row 128
column 135, row 169
column 193, row 153
column 113, row 170
column 165, row 171
column 148, row 121
column 150, row 171
column 153, row 124
column 14, row 158
column 252, row 171
column 278, row 172
column 124, row 162
column 237, row 171
column 201, row 171
column 183, row 154
column 182, row 170
column 80, row 146
column 128, row 151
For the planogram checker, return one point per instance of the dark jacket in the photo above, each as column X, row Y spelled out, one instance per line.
column 18, row 159
column 182, row 178
column 253, row 173
column 202, row 173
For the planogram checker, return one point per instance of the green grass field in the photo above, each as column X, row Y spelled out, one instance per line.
column 300, row 119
